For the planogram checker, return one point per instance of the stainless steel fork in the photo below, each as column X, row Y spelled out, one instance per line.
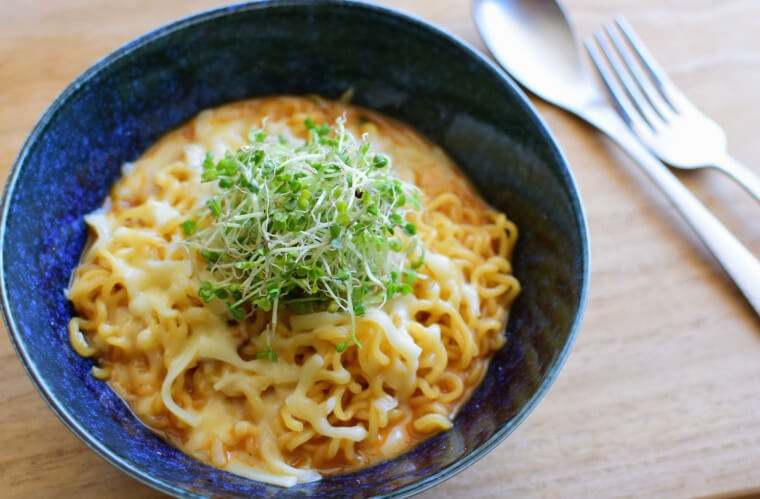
column 658, row 113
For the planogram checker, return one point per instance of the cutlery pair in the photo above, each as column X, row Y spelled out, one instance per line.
column 534, row 42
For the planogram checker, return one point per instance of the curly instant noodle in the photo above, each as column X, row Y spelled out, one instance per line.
column 191, row 373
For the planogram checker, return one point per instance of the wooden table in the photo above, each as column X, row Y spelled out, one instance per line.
column 661, row 395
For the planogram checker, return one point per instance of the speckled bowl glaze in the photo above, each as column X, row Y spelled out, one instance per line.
column 396, row 64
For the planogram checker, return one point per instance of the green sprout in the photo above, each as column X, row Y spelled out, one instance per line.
column 313, row 225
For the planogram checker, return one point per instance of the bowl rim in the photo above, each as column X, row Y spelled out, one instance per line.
column 125, row 50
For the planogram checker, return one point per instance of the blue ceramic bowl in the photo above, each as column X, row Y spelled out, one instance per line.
column 396, row 64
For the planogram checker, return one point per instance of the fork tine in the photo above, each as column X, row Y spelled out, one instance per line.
column 675, row 98
column 641, row 103
column 653, row 96
column 628, row 112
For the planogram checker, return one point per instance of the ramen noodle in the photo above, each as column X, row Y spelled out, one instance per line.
column 192, row 375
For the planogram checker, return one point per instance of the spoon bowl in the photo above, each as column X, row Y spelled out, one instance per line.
column 534, row 41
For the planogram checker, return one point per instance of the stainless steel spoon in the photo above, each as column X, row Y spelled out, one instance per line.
column 534, row 42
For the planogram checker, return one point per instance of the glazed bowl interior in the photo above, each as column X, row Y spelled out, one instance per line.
column 394, row 64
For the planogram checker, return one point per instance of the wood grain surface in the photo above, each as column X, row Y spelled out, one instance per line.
column 661, row 394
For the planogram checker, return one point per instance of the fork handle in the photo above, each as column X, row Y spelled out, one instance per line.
column 743, row 175
column 733, row 256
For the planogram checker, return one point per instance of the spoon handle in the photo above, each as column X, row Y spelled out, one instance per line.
column 735, row 258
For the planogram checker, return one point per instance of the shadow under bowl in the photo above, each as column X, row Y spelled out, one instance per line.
column 395, row 64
